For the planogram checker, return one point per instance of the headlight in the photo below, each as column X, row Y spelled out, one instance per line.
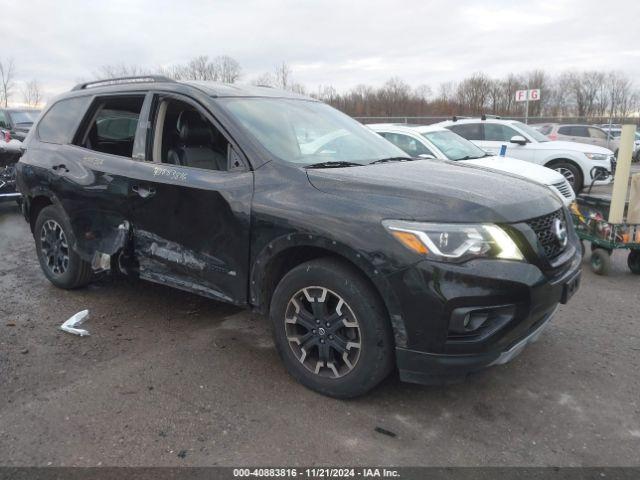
column 453, row 242
column 597, row 156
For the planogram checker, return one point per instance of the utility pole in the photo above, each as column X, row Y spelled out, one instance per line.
column 526, row 107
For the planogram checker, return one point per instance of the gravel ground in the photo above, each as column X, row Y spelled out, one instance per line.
column 168, row 379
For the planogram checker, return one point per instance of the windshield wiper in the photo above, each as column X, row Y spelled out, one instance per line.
column 393, row 159
column 333, row 164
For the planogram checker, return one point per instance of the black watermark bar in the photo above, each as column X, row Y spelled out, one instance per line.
column 408, row 473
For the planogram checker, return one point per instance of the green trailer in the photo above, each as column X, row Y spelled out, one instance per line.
column 590, row 214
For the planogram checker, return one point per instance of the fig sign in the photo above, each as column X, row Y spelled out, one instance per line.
column 532, row 95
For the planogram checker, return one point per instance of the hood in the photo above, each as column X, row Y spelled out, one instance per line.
column 433, row 190
column 532, row 171
column 572, row 146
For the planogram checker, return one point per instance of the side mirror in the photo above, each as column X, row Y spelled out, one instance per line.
column 519, row 139
column 427, row 156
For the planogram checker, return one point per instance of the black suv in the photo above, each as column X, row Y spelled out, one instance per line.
column 363, row 258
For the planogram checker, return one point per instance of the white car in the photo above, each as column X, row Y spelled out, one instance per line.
column 438, row 142
column 578, row 162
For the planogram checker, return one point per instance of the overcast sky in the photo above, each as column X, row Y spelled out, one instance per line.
column 339, row 43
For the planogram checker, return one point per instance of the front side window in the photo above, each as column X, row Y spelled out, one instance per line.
column 59, row 122
column 184, row 137
column 409, row 144
column 597, row 133
column 495, row 132
column 530, row 132
column 306, row 132
column 470, row 131
column 112, row 128
column 453, row 146
column 3, row 120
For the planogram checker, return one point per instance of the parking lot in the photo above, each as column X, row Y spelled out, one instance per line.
column 169, row 378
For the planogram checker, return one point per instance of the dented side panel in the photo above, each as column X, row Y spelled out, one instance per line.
column 192, row 231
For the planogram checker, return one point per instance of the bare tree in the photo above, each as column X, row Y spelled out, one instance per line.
column 31, row 93
column 228, row 69
column 7, row 71
column 120, row 70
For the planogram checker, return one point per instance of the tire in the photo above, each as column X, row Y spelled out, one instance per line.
column 633, row 261
column 572, row 173
column 364, row 322
column 600, row 261
column 51, row 233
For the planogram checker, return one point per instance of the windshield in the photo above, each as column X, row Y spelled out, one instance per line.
column 306, row 132
column 27, row 116
column 454, row 146
column 532, row 132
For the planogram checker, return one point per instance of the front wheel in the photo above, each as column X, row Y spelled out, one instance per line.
column 571, row 173
column 60, row 264
column 633, row 261
column 600, row 261
column 331, row 329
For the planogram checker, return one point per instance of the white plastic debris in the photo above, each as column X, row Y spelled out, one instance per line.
column 74, row 320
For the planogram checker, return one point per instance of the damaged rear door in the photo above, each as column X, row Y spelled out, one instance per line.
column 191, row 203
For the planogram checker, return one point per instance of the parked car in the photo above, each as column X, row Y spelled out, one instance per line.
column 14, row 125
column 616, row 132
column 364, row 258
column 588, row 134
column 578, row 162
column 438, row 142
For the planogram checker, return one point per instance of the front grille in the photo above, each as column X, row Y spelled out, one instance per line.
column 543, row 227
column 564, row 188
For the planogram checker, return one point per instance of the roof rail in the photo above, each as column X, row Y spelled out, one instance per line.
column 458, row 117
column 120, row 80
column 484, row 117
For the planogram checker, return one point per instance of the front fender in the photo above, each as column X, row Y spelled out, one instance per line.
column 259, row 281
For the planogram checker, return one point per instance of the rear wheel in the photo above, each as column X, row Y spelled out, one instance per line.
column 600, row 261
column 572, row 174
column 633, row 261
column 60, row 264
column 331, row 330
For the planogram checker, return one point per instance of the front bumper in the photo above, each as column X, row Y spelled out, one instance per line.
column 432, row 294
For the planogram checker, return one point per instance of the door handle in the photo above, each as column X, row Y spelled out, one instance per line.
column 144, row 191
column 61, row 167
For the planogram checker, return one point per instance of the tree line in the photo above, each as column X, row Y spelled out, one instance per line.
column 584, row 94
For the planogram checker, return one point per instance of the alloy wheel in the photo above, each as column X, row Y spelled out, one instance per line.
column 323, row 332
column 568, row 174
column 54, row 247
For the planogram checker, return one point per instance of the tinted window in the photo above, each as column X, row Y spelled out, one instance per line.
column 3, row 120
column 494, row 132
column 60, row 121
column 565, row 131
column 574, row 131
column 410, row 145
column 113, row 125
column 470, row 131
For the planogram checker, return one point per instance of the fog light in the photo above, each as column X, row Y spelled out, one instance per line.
column 469, row 321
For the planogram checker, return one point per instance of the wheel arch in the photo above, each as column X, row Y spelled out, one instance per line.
column 289, row 251
column 554, row 161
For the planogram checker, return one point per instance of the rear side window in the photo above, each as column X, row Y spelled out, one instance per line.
column 494, row 132
column 470, row 131
column 112, row 125
column 565, row 131
column 60, row 121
